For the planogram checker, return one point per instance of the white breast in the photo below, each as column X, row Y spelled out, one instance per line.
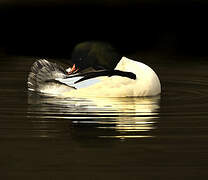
column 147, row 82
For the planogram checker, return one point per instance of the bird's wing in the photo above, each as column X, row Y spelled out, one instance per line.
column 90, row 77
column 45, row 76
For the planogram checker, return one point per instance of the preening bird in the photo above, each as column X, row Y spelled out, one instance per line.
column 110, row 75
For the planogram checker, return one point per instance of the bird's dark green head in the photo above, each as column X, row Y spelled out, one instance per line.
column 99, row 55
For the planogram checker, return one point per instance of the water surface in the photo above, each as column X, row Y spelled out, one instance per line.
column 162, row 137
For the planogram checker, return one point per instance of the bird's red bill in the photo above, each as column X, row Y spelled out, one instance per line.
column 73, row 69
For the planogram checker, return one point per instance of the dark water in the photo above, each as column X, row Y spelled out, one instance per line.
column 164, row 137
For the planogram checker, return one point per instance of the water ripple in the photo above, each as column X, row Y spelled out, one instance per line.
column 117, row 117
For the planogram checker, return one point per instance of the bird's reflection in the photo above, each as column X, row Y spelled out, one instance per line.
column 111, row 117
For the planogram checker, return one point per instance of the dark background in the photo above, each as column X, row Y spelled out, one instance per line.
column 53, row 27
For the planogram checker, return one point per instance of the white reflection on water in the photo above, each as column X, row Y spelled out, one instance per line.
column 115, row 117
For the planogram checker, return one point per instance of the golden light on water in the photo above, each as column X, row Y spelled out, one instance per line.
column 112, row 117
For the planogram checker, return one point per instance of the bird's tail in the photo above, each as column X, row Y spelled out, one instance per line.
column 43, row 74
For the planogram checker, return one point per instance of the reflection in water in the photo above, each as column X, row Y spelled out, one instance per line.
column 107, row 117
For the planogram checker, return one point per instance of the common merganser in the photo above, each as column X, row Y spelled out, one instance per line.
column 128, row 79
